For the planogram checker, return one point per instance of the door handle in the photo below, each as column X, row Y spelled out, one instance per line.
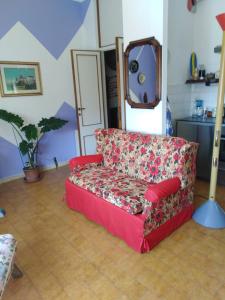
column 80, row 110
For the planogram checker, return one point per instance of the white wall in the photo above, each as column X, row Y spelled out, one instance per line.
column 142, row 19
column 180, row 42
column 206, row 35
column 110, row 21
column 207, row 32
column 187, row 32
column 20, row 45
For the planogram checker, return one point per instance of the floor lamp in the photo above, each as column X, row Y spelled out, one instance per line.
column 211, row 214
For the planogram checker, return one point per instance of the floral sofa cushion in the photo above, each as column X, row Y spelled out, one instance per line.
column 7, row 252
column 128, row 193
column 119, row 189
column 148, row 157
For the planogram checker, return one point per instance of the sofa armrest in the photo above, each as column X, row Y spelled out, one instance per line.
column 84, row 160
column 187, row 162
column 162, row 189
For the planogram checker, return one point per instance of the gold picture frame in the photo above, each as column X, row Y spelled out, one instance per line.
column 20, row 79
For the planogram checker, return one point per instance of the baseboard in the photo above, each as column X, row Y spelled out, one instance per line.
column 52, row 166
column 11, row 178
column 21, row 175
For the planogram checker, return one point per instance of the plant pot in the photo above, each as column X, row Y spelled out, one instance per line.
column 31, row 174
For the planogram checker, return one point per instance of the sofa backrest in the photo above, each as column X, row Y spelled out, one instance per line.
column 149, row 157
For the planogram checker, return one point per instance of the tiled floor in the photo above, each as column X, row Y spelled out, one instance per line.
column 66, row 257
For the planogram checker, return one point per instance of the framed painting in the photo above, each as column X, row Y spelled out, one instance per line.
column 20, row 78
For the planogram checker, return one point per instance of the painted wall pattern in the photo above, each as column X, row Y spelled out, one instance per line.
column 60, row 144
column 54, row 23
column 10, row 161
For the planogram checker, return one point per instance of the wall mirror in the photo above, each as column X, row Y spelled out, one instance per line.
column 143, row 73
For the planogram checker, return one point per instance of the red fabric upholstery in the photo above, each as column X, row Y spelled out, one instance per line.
column 83, row 160
column 160, row 233
column 162, row 189
column 139, row 157
column 120, row 223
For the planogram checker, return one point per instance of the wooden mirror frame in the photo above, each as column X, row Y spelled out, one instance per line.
column 158, row 48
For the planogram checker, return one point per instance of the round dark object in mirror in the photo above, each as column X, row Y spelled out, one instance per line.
column 133, row 66
column 141, row 78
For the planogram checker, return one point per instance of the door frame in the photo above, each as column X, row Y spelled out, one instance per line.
column 120, row 85
column 77, row 132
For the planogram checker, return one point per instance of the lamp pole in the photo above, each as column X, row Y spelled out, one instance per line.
column 219, row 116
column 210, row 214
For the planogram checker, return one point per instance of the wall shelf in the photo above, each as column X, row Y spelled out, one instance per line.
column 206, row 82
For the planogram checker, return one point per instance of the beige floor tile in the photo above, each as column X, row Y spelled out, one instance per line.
column 21, row 289
column 105, row 289
column 63, row 296
column 79, row 291
column 65, row 272
column 220, row 294
column 46, row 284
column 64, row 256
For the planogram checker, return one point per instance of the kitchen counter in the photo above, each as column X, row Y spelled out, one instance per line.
column 197, row 120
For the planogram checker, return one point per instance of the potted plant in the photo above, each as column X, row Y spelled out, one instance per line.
column 30, row 136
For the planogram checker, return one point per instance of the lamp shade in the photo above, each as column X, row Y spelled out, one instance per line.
column 221, row 20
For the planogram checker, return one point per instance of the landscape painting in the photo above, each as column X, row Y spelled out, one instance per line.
column 20, row 79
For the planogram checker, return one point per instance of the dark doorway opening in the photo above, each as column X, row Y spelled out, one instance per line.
column 111, row 88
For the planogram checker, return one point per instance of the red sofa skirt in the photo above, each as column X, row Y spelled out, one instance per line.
column 129, row 228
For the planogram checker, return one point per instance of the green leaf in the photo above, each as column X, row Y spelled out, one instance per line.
column 31, row 132
column 11, row 118
column 51, row 124
column 25, row 147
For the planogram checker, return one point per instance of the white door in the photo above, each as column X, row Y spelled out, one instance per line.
column 89, row 99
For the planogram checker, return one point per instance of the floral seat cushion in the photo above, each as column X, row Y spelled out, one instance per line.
column 7, row 252
column 119, row 189
column 128, row 193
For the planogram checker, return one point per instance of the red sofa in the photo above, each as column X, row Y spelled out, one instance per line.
column 138, row 186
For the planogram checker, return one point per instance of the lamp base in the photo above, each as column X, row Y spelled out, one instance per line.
column 210, row 214
column 2, row 213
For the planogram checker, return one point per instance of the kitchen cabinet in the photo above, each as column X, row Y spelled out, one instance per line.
column 204, row 158
column 187, row 131
column 202, row 134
